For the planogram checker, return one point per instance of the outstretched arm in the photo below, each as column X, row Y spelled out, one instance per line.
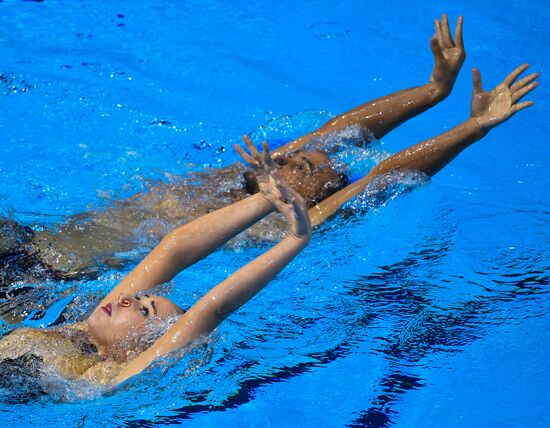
column 380, row 116
column 190, row 243
column 489, row 109
column 226, row 297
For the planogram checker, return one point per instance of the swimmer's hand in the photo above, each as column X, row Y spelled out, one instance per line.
column 449, row 55
column 293, row 207
column 287, row 201
column 491, row 108
column 262, row 164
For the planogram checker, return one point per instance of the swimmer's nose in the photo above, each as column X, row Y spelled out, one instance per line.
column 123, row 301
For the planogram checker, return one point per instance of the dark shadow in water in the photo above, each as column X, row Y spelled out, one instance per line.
column 431, row 331
column 18, row 262
column 247, row 388
column 380, row 413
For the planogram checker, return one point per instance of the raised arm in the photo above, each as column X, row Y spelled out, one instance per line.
column 229, row 295
column 380, row 116
column 489, row 109
column 190, row 243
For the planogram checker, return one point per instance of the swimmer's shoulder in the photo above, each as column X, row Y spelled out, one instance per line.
column 71, row 366
column 102, row 372
column 36, row 341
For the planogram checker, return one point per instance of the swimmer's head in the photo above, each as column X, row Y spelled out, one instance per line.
column 310, row 173
column 120, row 326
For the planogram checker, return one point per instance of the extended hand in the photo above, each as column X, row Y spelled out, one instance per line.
column 262, row 164
column 275, row 190
column 491, row 108
column 449, row 55
column 294, row 210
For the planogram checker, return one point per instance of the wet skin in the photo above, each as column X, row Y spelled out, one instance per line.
column 311, row 174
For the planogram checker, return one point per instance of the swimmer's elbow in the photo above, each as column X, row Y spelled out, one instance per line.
column 221, row 313
column 177, row 248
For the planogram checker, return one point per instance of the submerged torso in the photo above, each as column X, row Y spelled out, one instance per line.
column 87, row 243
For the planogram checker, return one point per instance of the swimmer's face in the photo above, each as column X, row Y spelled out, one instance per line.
column 309, row 173
column 113, row 324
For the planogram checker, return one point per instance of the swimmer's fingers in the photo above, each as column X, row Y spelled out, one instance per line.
column 291, row 196
column 446, row 32
column 478, row 88
column 286, row 191
column 301, row 224
column 439, row 34
column 251, row 148
column 518, row 95
column 459, row 42
column 494, row 107
column 294, row 209
column 246, row 157
column 449, row 56
column 436, row 50
column 299, row 204
column 268, row 160
column 272, row 191
column 515, row 74
column 523, row 82
column 247, row 140
column 518, row 107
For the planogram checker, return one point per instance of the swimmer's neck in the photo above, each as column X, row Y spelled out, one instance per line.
column 113, row 353
column 81, row 328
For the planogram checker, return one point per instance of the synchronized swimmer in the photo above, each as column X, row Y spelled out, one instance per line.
column 88, row 242
column 129, row 329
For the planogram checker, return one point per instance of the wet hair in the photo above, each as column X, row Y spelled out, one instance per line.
column 250, row 183
column 331, row 187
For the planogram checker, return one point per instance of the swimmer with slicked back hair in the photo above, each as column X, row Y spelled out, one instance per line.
column 89, row 242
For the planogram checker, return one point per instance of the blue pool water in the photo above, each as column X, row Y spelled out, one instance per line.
column 431, row 310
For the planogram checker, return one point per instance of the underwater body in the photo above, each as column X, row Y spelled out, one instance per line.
column 430, row 309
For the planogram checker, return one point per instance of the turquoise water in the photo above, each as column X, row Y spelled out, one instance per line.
column 431, row 310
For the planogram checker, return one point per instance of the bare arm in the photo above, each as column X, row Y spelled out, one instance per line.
column 236, row 290
column 190, row 243
column 380, row 116
column 489, row 109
